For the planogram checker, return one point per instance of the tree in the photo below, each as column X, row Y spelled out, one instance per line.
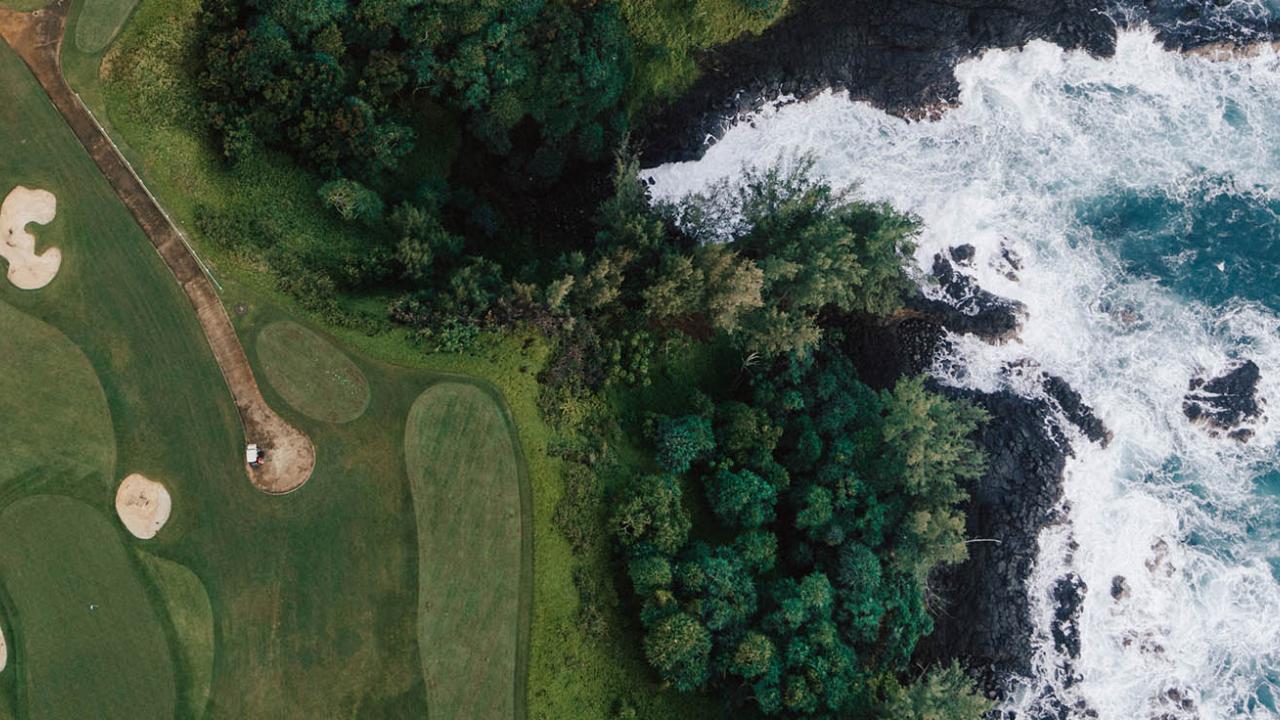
column 716, row 587
column 683, row 441
column 930, row 454
column 650, row 516
column 679, row 648
column 352, row 201
column 741, row 498
column 944, row 693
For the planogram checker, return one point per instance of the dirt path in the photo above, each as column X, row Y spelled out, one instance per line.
column 37, row 38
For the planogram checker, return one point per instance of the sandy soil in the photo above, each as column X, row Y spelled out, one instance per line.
column 143, row 506
column 27, row 269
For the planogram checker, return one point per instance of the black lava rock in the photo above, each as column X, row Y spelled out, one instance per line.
column 898, row 54
column 984, row 614
column 968, row 309
column 1076, row 411
column 962, row 254
column 1119, row 588
column 1068, row 598
column 1225, row 401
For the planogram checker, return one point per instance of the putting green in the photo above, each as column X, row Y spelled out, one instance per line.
column 192, row 618
column 99, row 22
column 87, row 642
column 54, row 414
column 465, row 482
column 312, row 375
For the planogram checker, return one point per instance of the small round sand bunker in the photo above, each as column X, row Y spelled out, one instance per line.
column 27, row 269
column 143, row 506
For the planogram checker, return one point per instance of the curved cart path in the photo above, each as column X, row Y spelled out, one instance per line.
column 37, row 38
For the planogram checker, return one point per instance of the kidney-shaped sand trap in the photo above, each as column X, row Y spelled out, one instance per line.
column 143, row 506
column 4, row 652
column 23, row 206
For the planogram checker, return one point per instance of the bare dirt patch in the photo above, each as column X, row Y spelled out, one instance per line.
column 28, row 270
column 143, row 506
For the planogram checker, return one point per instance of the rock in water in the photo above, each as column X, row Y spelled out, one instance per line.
column 969, row 309
column 1076, row 411
column 1224, row 402
column 1119, row 588
column 962, row 254
column 1068, row 597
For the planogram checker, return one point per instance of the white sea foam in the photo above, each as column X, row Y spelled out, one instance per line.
column 1039, row 134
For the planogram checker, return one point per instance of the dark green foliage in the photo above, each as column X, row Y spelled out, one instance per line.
column 837, row 500
column 352, row 201
column 679, row 648
column 332, row 82
column 650, row 517
column 683, row 441
column 814, row 248
column 741, row 498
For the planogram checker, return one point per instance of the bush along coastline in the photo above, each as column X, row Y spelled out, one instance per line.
column 766, row 500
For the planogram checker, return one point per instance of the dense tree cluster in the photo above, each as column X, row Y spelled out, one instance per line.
column 338, row 83
column 833, row 503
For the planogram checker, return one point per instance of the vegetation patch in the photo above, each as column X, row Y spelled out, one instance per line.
column 191, row 616
column 99, row 21
column 91, row 645
column 466, row 482
column 311, row 374
column 55, row 417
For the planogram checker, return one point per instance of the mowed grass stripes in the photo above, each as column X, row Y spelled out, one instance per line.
column 465, row 479
column 89, row 643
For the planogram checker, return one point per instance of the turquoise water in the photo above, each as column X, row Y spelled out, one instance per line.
column 1211, row 245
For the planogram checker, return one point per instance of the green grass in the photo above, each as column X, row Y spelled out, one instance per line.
column 460, row 451
column 22, row 6
column 308, row 591
column 191, row 616
column 148, row 102
column 99, row 21
column 56, row 422
column 671, row 34
column 87, row 639
column 312, row 375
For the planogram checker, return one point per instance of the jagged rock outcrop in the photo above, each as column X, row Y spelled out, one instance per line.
column 1227, row 401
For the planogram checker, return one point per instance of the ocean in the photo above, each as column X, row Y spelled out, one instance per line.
column 1141, row 195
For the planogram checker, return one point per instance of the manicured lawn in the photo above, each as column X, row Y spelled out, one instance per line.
column 99, row 21
column 360, row 495
column 312, row 616
column 88, row 642
column 465, row 476
column 311, row 374
column 22, row 6
column 191, row 618
column 56, row 424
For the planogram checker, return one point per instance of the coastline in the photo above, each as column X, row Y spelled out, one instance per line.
column 899, row 56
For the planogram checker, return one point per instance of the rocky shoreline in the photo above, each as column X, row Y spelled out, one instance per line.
column 896, row 54
column 982, row 607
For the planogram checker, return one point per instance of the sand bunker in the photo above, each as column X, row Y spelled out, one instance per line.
column 4, row 652
column 143, row 506
column 27, row 270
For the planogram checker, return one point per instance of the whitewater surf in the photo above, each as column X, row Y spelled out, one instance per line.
column 1139, row 196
